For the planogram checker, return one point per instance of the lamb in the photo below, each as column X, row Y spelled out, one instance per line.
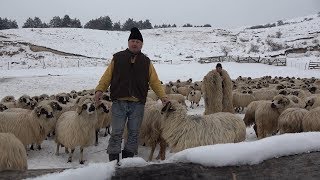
column 13, row 155
column 242, row 100
column 7, row 99
column 290, row 120
column 194, row 97
column 77, row 128
column 311, row 121
column 26, row 125
column 182, row 131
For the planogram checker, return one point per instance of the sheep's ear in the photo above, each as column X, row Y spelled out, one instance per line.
column 38, row 110
column 79, row 110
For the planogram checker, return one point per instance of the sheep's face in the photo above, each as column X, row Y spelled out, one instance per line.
column 33, row 104
column 283, row 92
column 178, row 81
column 280, row 101
column 55, row 106
column 310, row 102
column 43, row 97
column 8, row 99
column 174, row 89
column 87, row 105
column 25, row 100
column 45, row 111
column 104, row 107
column 62, row 98
column 189, row 80
column 35, row 98
column 2, row 107
column 106, row 96
column 170, row 83
column 295, row 93
column 192, row 93
column 73, row 92
column 312, row 90
column 167, row 108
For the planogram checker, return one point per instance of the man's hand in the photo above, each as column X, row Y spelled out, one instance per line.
column 164, row 100
column 97, row 97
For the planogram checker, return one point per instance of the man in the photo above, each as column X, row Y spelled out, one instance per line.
column 219, row 70
column 129, row 75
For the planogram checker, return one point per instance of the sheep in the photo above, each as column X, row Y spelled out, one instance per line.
column 150, row 133
column 103, row 110
column 194, row 97
column 23, row 102
column 44, row 97
column 298, row 102
column 311, row 121
column 249, row 117
column 267, row 114
column 77, row 128
column 13, row 155
column 177, row 97
column 167, row 88
column 264, row 94
column 62, row 98
column 242, row 100
column 290, row 120
column 184, row 90
column 174, row 90
column 7, row 99
column 182, row 131
column 217, row 92
column 27, row 126
column 152, row 95
column 197, row 85
column 183, row 83
column 312, row 102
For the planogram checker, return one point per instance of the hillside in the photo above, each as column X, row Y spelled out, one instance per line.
column 174, row 44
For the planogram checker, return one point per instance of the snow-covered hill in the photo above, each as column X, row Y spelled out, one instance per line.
column 178, row 43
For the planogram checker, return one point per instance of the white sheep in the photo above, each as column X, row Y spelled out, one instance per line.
column 13, row 155
column 23, row 102
column 242, row 100
column 312, row 102
column 28, row 126
column 150, row 133
column 311, row 121
column 264, row 94
column 178, row 97
column 77, row 128
column 182, row 131
column 194, row 97
column 290, row 120
column 7, row 99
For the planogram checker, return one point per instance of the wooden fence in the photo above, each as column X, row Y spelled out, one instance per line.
column 264, row 60
column 314, row 65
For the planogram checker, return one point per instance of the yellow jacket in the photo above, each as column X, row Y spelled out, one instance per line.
column 154, row 82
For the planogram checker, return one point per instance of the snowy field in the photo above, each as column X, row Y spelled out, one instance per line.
column 164, row 44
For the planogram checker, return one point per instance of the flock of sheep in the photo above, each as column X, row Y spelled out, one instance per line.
column 271, row 105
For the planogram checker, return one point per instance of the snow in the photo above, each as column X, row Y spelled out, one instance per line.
column 63, row 74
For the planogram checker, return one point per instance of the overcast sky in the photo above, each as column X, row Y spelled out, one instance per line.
column 218, row 13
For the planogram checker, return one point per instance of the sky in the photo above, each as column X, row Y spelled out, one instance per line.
column 218, row 13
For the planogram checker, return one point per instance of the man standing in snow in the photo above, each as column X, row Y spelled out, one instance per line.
column 129, row 75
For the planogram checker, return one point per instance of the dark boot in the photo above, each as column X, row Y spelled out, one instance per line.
column 126, row 154
column 114, row 157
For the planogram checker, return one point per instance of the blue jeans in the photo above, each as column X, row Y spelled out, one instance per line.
column 123, row 111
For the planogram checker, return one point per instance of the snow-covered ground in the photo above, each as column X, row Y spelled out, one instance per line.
column 62, row 74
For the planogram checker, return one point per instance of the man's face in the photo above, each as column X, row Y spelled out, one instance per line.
column 135, row 45
column 219, row 69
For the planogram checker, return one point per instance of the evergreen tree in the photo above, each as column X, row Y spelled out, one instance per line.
column 55, row 22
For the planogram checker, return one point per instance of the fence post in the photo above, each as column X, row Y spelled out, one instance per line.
column 8, row 65
column 78, row 63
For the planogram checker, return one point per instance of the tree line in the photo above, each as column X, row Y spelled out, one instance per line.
column 101, row 23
